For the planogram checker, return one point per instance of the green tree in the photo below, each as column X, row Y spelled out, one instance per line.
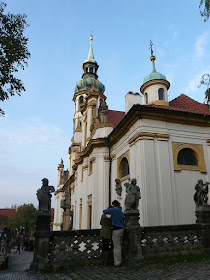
column 3, row 220
column 25, row 216
column 205, row 80
column 13, row 53
column 205, row 9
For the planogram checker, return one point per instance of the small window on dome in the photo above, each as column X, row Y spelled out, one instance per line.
column 161, row 94
column 91, row 69
column 146, row 98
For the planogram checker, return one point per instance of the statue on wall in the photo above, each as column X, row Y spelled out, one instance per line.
column 201, row 193
column 132, row 195
column 118, row 187
column 44, row 196
column 103, row 111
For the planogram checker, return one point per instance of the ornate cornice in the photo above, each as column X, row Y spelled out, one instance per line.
column 143, row 135
column 94, row 143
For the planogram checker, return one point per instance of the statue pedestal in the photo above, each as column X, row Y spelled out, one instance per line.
column 202, row 214
column 132, row 229
column 43, row 221
column 42, row 241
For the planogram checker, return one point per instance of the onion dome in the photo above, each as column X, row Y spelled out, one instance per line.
column 90, row 77
column 154, row 75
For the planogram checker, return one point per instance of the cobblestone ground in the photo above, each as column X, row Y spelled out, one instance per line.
column 180, row 271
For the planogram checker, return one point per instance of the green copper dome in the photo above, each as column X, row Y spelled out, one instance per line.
column 85, row 84
column 154, row 75
column 90, row 77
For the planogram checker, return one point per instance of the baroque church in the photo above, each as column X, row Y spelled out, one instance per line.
column 164, row 145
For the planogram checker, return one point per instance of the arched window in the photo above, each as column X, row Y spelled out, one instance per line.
column 161, row 94
column 91, row 69
column 187, row 156
column 124, row 167
column 146, row 98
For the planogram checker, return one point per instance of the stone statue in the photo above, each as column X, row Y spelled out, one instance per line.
column 132, row 195
column 118, row 187
column 103, row 111
column 44, row 196
column 201, row 193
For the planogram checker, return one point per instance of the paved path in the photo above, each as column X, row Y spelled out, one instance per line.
column 19, row 262
column 180, row 271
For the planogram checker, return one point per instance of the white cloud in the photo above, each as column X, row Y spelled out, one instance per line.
column 29, row 151
column 200, row 44
column 194, row 83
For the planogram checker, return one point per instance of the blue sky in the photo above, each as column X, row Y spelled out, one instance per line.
column 36, row 131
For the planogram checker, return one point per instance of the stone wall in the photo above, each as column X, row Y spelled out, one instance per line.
column 84, row 246
column 74, row 247
column 171, row 240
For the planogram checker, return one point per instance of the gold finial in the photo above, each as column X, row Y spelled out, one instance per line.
column 91, row 35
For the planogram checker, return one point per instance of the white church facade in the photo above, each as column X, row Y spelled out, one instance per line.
column 164, row 145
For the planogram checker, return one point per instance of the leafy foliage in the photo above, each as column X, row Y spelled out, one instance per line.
column 205, row 80
column 205, row 9
column 13, row 53
column 3, row 220
column 25, row 216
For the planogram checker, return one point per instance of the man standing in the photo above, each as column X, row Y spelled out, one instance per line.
column 118, row 229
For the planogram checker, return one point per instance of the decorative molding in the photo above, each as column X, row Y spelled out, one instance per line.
column 94, row 143
column 91, row 104
column 92, row 159
column 90, row 170
column 154, row 82
column 159, row 102
column 83, row 168
column 56, row 192
column 89, row 199
column 198, row 149
column 78, row 129
column 142, row 135
column 112, row 157
column 102, row 125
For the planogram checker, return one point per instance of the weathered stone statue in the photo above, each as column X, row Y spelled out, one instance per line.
column 201, row 200
column 103, row 111
column 201, row 194
column 133, row 195
column 44, row 196
column 118, row 187
column 42, row 234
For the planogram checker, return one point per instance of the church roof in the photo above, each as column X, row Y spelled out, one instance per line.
column 181, row 103
column 186, row 104
column 7, row 212
column 114, row 117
